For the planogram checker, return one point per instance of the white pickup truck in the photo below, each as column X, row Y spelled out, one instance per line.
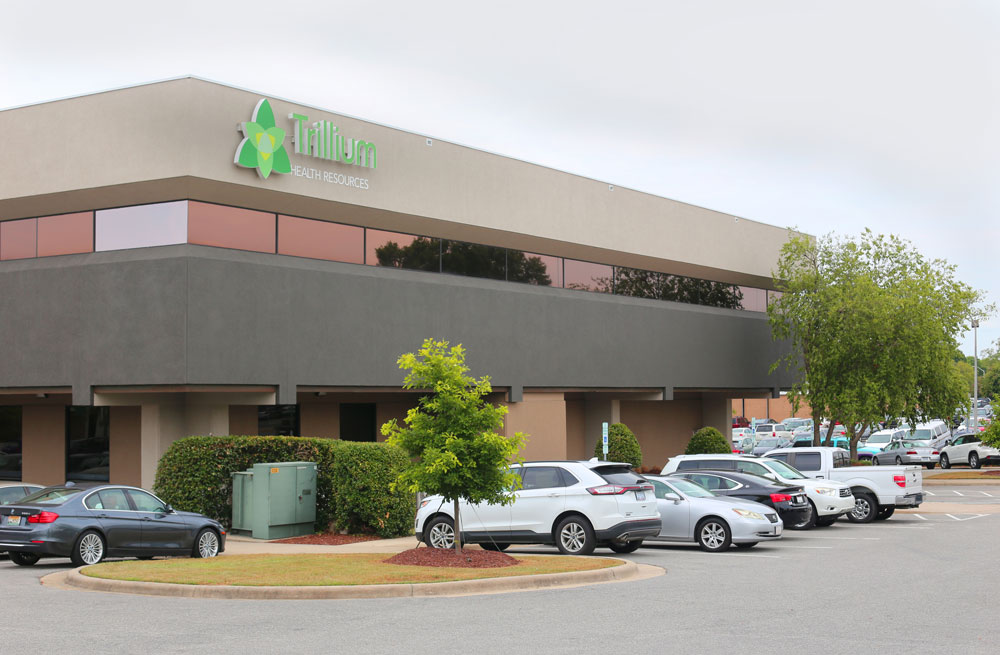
column 878, row 490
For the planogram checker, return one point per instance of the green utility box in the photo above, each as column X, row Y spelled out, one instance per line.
column 275, row 500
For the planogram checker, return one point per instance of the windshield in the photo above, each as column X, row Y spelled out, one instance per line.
column 50, row 496
column 689, row 488
column 922, row 433
column 764, row 427
column 784, row 470
column 766, row 443
column 880, row 438
column 913, row 444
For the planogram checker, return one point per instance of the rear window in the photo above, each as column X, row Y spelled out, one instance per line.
column 50, row 496
column 807, row 461
column 711, row 464
column 779, row 456
column 619, row 475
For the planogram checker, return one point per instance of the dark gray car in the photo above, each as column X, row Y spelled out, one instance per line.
column 90, row 523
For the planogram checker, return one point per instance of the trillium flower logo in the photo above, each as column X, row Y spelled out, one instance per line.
column 262, row 146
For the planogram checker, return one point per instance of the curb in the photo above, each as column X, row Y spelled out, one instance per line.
column 627, row 571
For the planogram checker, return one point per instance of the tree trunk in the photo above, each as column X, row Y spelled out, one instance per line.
column 817, row 419
column 458, row 532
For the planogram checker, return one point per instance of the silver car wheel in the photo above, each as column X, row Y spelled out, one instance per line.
column 713, row 535
column 573, row 537
column 91, row 548
column 208, row 544
column 442, row 535
column 861, row 509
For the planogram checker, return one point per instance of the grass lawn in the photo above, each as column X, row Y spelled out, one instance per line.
column 324, row 570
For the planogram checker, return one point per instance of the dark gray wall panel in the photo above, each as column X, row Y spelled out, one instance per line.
column 196, row 315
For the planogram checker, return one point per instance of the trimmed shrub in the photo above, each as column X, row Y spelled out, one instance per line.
column 622, row 446
column 353, row 491
column 707, row 441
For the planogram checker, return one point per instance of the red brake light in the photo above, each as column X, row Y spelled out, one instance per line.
column 606, row 490
column 900, row 480
column 911, row 452
column 43, row 517
column 781, row 498
column 934, row 452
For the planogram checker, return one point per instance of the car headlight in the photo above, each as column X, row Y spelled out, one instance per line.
column 827, row 491
column 747, row 514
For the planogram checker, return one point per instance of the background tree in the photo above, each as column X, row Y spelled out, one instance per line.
column 708, row 441
column 472, row 259
column 453, row 433
column 638, row 283
column 622, row 446
column 873, row 326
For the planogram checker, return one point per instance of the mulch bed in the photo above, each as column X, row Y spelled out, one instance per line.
column 467, row 559
column 328, row 539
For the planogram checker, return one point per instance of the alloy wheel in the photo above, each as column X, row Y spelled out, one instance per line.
column 208, row 545
column 713, row 535
column 91, row 548
column 573, row 537
column 861, row 509
column 442, row 535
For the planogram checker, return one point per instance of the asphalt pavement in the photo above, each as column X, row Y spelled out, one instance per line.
column 910, row 584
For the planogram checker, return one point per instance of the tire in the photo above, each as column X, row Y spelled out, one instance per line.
column 874, row 461
column 750, row 544
column 440, row 533
column 826, row 521
column 713, row 535
column 88, row 549
column 899, row 461
column 945, row 462
column 494, row 547
column 810, row 521
column 624, row 549
column 930, row 467
column 24, row 559
column 206, row 544
column 974, row 461
column 865, row 508
column 885, row 512
column 575, row 536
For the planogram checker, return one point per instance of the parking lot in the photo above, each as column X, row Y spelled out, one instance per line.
column 921, row 583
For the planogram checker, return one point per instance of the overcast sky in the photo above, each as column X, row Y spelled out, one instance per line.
column 826, row 116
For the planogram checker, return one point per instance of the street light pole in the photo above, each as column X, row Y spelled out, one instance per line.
column 975, row 374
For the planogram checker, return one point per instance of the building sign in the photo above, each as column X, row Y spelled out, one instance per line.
column 263, row 148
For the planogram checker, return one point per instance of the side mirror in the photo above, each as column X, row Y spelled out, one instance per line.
column 168, row 510
column 673, row 497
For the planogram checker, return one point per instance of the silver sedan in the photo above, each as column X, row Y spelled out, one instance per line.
column 907, row 452
column 692, row 513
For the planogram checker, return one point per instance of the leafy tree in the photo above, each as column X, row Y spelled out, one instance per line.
column 622, row 446
column 872, row 325
column 707, row 441
column 453, row 432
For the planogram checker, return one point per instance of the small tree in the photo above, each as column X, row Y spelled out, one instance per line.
column 707, row 441
column 453, row 433
column 622, row 446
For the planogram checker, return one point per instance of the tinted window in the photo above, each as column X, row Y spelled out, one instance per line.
column 113, row 499
column 779, row 456
column 145, row 502
column 17, row 239
column 11, row 494
column 541, row 270
column 138, row 227
column 87, row 443
column 619, row 475
column 402, row 251
column 66, row 234
column 278, row 420
column 10, row 443
column 688, row 465
column 541, row 477
column 304, row 237
column 474, row 260
column 230, row 227
column 840, row 460
column 807, row 461
column 568, row 478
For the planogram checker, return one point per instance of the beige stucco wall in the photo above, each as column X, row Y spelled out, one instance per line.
column 43, row 444
column 319, row 420
column 177, row 139
column 125, row 437
column 663, row 428
column 243, row 419
column 542, row 416
column 575, row 438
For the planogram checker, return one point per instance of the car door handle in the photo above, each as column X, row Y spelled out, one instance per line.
column 146, row 518
column 102, row 516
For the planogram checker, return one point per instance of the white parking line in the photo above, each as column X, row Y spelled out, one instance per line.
column 974, row 516
column 810, row 547
column 986, row 494
column 837, row 538
column 929, row 493
column 959, row 493
column 752, row 555
column 922, row 518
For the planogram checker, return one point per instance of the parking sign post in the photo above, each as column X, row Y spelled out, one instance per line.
column 604, row 439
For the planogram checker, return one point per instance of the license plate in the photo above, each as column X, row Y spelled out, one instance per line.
column 12, row 520
column 640, row 495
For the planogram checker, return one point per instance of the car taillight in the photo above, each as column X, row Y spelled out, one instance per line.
column 43, row 517
column 780, row 498
column 911, row 452
column 615, row 489
column 934, row 452
column 900, row 480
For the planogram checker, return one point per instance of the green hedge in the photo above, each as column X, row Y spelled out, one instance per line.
column 622, row 446
column 352, row 481
column 709, row 441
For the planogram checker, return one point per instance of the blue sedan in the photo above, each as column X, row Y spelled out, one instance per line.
column 89, row 523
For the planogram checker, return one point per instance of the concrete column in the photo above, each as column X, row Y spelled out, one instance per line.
column 597, row 411
column 161, row 425
column 716, row 412
column 43, row 444
column 542, row 416
column 320, row 420
column 125, row 437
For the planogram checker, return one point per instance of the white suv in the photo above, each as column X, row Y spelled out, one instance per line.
column 829, row 500
column 576, row 506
